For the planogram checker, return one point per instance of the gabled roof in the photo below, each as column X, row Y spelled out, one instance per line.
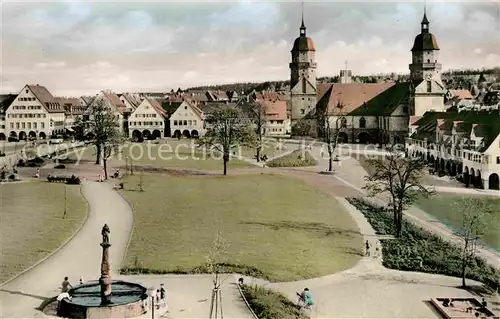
column 87, row 99
column 156, row 106
column 275, row 110
column 195, row 109
column 386, row 102
column 344, row 98
column 46, row 98
column 6, row 100
column 461, row 94
column 115, row 100
column 131, row 100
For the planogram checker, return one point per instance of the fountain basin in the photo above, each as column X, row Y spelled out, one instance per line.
column 126, row 301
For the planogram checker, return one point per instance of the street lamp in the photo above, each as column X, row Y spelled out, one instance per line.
column 65, row 200
column 152, row 294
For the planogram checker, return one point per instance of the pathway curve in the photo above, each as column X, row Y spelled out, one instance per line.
column 351, row 173
column 80, row 257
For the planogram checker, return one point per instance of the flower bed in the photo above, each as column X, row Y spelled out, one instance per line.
column 420, row 250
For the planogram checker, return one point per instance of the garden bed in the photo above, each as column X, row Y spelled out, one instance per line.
column 298, row 158
column 268, row 304
column 419, row 250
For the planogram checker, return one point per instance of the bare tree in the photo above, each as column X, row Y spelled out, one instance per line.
column 214, row 258
column 399, row 176
column 228, row 128
column 330, row 136
column 257, row 113
column 473, row 211
column 110, row 147
column 103, row 126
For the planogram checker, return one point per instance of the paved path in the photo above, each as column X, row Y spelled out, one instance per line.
column 80, row 257
column 350, row 172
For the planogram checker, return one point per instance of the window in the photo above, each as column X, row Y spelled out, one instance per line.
column 185, row 122
column 26, row 91
column 17, row 125
column 194, row 122
column 11, row 125
column 42, row 125
column 29, row 126
column 175, row 122
column 362, row 122
column 302, row 111
column 189, row 122
column 429, row 87
column 498, row 159
column 185, row 107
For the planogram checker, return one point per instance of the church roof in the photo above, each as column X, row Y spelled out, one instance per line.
column 303, row 44
column 345, row 98
column 386, row 102
column 425, row 41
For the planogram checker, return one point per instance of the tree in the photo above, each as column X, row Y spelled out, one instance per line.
column 399, row 176
column 228, row 128
column 257, row 114
column 79, row 128
column 473, row 211
column 103, row 127
column 214, row 265
column 329, row 135
column 109, row 147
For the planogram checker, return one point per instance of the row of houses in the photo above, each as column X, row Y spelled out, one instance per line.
column 35, row 113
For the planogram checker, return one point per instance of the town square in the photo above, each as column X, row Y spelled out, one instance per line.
column 353, row 196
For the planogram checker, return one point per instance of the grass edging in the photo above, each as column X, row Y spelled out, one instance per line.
column 67, row 241
column 269, row 304
column 297, row 158
column 420, row 250
column 246, row 301
column 225, row 268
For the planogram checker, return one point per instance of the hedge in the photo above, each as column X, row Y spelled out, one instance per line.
column 268, row 304
column 298, row 158
column 420, row 250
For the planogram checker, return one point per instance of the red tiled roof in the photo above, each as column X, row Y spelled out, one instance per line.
column 51, row 104
column 462, row 94
column 154, row 103
column 113, row 98
column 345, row 98
column 275, row 110
column 321, row 89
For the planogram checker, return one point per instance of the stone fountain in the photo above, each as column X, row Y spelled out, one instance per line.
column 105, row 298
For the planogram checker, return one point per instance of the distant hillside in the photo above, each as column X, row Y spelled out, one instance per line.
column 452, row 78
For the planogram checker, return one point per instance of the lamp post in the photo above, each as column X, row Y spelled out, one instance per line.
column 152, row 294
column 65, row 200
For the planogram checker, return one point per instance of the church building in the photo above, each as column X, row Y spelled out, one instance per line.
column 365, row 112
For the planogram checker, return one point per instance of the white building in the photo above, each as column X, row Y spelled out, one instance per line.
column 187, row 121
column 277, row 122
column 148, row 120
column 34, row 113
column 464, row 145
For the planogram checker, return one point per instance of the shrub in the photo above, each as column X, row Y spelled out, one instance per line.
column 21, row 163
column 268, row 304
column 60, row 166
column 12, row 177
column 419, row 250
column 297, row 158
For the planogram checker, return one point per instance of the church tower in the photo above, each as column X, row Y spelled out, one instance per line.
column 425, row 72
column 302, row 75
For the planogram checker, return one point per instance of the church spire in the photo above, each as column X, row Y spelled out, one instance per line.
column 303, row 26
column 425, row 21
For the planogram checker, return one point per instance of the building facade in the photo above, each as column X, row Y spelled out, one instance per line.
column 148, row 120
column 187, row 121
column 35, row 113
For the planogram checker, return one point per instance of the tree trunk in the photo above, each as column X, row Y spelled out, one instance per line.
column 464, row 262
column 258, row 153
column 104, row 161
column 98, row 157
column 330, row 159
column 225, row 160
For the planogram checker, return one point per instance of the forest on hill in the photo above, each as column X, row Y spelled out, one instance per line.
column 451, row 76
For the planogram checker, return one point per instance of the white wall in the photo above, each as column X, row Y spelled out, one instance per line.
column 185, row 118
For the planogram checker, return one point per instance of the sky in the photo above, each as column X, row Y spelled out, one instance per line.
column 82, row 47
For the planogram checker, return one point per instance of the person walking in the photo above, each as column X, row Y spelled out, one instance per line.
column 367, row 246
column 163, row 295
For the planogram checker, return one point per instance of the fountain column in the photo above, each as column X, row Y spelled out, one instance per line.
column 105, row 279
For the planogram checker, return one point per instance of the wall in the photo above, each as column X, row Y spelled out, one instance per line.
column 185, row 114
column 424, row 103
column 145, row 117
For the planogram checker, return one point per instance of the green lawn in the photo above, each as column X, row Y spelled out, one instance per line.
column 174, row 154
column 277, row 227
column 31, row 222
column 269, row 148
column 297, row 158
column 441, row 207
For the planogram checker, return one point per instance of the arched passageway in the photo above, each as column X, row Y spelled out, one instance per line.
column 23, row 135
column 195, row 134
column 186, row 133
column 364, row 138
column 157, row 134
column 493, row 182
